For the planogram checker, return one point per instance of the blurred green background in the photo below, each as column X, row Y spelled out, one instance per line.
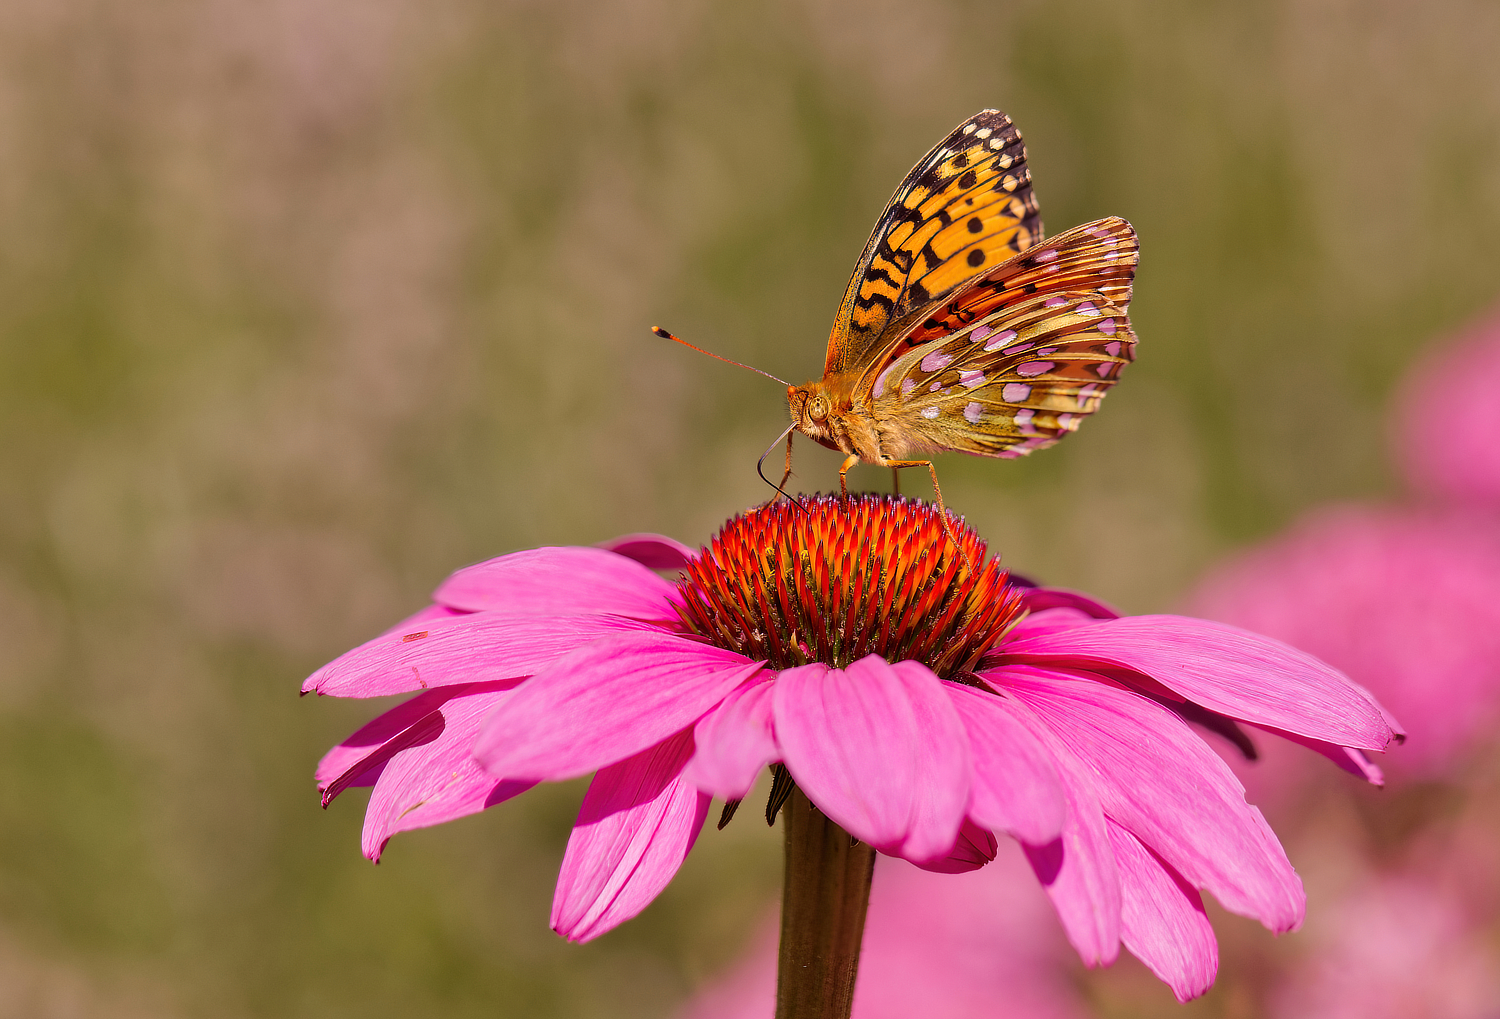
column 304, row 304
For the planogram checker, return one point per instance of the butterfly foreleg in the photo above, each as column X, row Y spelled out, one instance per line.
column 895, row 480
column 850, row 461
column 896, row 465
column 788, row 472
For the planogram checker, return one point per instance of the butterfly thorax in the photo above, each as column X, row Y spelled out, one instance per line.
column 828, row 412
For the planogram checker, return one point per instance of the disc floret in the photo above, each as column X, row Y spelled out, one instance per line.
column 836, row 579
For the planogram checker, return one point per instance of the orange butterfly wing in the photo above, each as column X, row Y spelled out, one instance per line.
column 1019, row 356
column 965, row 206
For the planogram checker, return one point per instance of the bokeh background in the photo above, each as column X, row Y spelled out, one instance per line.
column 304, row 304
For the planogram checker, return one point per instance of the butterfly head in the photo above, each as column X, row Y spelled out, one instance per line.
column 811, row 406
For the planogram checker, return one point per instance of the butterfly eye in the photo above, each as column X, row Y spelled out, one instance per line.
column 818, row 408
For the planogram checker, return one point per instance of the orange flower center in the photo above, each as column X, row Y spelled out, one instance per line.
column 842, row 578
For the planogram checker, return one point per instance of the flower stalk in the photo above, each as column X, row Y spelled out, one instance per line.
column 823, row 903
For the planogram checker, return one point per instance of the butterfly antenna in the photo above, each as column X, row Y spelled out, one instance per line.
column 659, row 331
column 759, row 464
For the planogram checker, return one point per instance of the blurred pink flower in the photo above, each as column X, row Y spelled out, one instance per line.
column 967, row 946
column 1395, row 949
column 1405, row 602
column 909, row 699
column 1446, row 424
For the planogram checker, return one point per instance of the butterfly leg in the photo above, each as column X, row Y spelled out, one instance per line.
column 895, row 465
column 788, row 472
column 895, row 480
column 852, row 459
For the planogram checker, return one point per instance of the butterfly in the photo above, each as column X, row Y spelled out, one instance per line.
column 961, row 328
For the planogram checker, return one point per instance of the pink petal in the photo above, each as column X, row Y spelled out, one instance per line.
column 734, row 742
column 638, row 821
column 559, row 581
column 879, row 749
column 605, row 702
column 1162, row 920
column 436, row 779
column 1078, row 869
column 975, row 848
column 478, row 647
column 1015, row 788
column 1353, row 761
column 1040, row 599
column 654, row 551
column 413, row 622
column 1225, row 669
column 1157, row 779
column 1049, row 621
column 369, row 738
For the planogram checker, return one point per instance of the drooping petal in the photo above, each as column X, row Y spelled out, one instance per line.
column 1226, row 669
column 436, row 779
column 1162, row 920
column 638, row 821
column 354, row 753
column 975, row 848
column 1353, row 761
column 1162, row 783
column 607, row 701
column 1015, row 788
column 478, row 647
column 654, row 551
column 559, row 581
column 944, row 763
column 1077, row 869
column 879, row 749
column 734, row 742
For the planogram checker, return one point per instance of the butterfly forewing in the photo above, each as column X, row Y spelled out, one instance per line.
column 966, row 205
column 1019, row 356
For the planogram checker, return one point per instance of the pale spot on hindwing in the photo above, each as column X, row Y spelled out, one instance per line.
column 929, row 412
column 907, row 385
column 971, row 412
column 1001, row 338
column 1112, row 348
column 936, row 361
column 1107, row 327
column 979, row 334
column 1016, row 392
column 879, row 389
column 1028, row 369
column 971, row 378
column 1023, row 421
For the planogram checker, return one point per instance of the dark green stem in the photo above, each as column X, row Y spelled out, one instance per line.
column 822, row 914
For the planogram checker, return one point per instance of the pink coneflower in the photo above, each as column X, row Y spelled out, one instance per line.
column 916, row 704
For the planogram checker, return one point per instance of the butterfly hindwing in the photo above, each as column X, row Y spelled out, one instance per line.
column 1020, row 356
column 965, row 206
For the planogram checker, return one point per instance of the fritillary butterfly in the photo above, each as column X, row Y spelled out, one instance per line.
column 961, row 329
